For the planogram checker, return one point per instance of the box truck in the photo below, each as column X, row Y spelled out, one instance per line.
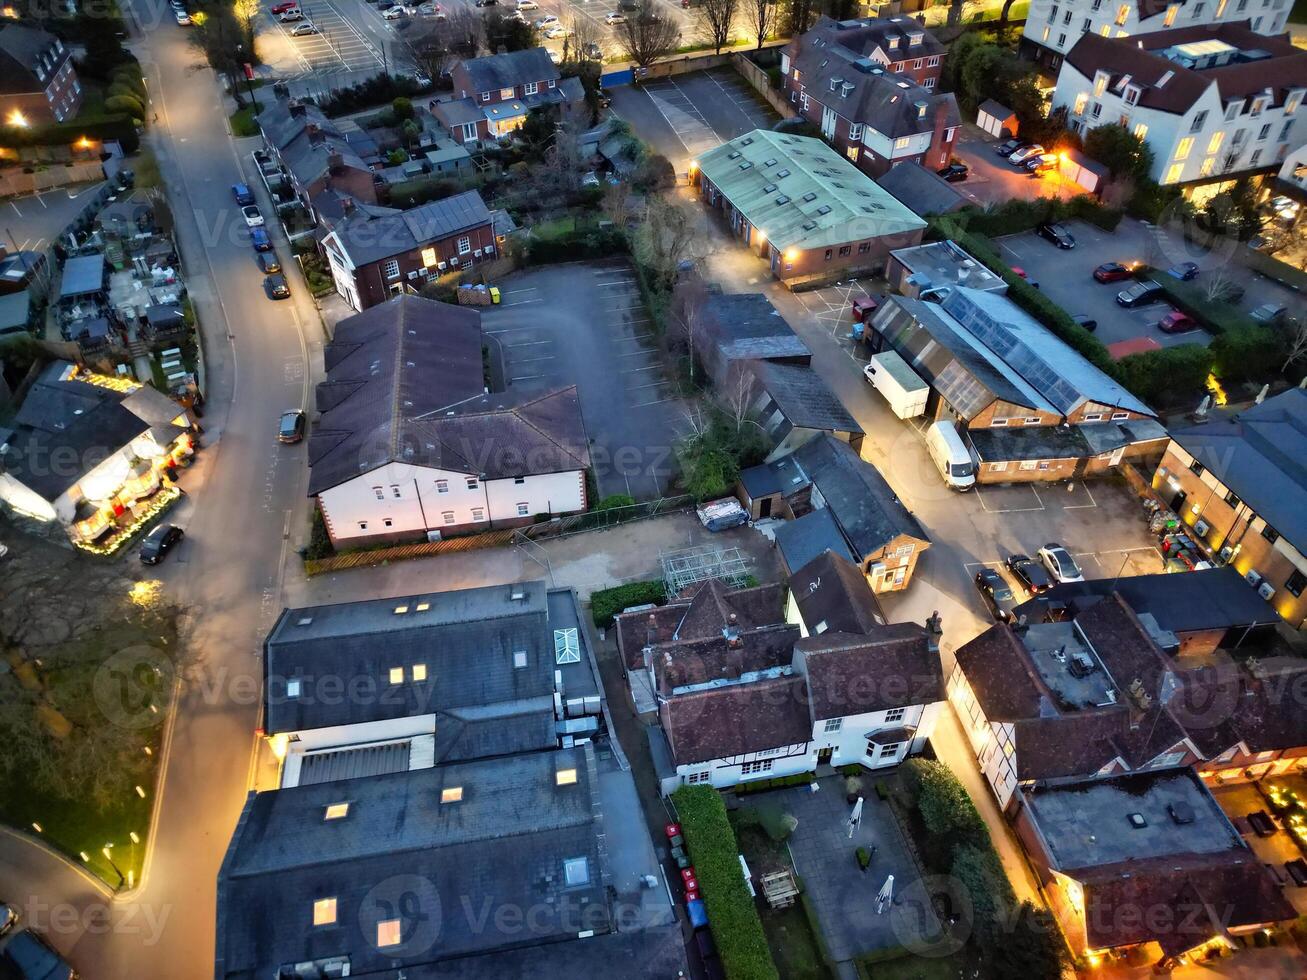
column 898, row 383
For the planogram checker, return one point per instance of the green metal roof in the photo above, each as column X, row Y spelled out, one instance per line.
column 801, row 193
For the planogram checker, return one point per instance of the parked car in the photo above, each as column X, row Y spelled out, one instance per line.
column 1010, row 146
column 291, row 427
column 487, row 3
column 527, row 5
column 1264, row 243
column 290, row 16
column 1089, row 323
column 421, row 77
column 1030, row 574
column 394, row 13
column 260, row 240
column 1041, row 163
column 1177, row 322
column 242, row 194
column 1139, row 294
column 26, row 956
column 545, row 21
column 252, row 216
column 301, row 30
column 183, row 18
column 1113, row 272
column 590, row 179
column 1018, row 157
column 1269, row 314
column 554, row 31
column 1060, row 564
column 268, row 262
column 613, row 17
column 159, row 542
column 1057, row 234
column 592, row 52
column 954, row 172
column 277, row 287
column 8, row 918
column 1183, row 271
column 281, row 8
column 996, row 593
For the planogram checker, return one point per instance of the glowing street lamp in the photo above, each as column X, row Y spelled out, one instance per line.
column 16, row 118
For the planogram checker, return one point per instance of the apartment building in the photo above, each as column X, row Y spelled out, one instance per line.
column 38, row 82
column 1213, row 102
column 1054, row 27
column 898, row 44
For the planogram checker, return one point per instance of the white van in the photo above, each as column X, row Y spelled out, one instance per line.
column 951, row 456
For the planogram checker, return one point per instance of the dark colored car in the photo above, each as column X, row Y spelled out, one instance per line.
column 1184, row 271
column 269, row 262
column 1177, row 322
column 1269, row 314
column 26, row 956
column 1008, row 147
column 1089, row 323
column 592, row 52
column 996, row 593
column 242, row 194
column 1112, row 272
column 291, row 427
column 261, row 241
column 159, row 542
column 1139, row 294
column 487, row 3
column 1030, row 573
column 277, row 287
column 1057, row 234
column 954, row 172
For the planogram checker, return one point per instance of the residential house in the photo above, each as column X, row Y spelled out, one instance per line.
column 376, row 256
column 409, row 447
column 494, row 94
column 922, row 191
column 803, row 207
column 1054, row 27
column 830, row 594
column 1239, row 483
column 1030, row 406
column 315, row 153
column 1293, row 172
column 1212, row 102
column 38, row 81
column 1147, row 861
column 875, row 106
column 833, row 499
column 939, row 265
column 90, row 451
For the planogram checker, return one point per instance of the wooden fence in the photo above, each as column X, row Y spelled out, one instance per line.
column 757, row 77
column 559, row 527
column 16, row 183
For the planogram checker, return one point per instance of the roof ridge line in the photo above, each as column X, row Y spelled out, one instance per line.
column 398, row 386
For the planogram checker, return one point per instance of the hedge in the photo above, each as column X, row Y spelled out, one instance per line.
column 732, row 914
column 779, row 782
column 607, row 603
column 1248, row 353
column 1216, row 317
column 1019, row 214
column 1170, row 375
column 110, row 127
column 591, row 243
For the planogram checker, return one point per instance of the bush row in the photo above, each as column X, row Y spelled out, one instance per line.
column 1017, row 215
column 732, row 915
column 588, row 243
column 1215, row 316
column 607, row 603
column 780, row 782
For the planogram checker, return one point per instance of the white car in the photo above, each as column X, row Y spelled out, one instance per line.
column 1021, row 156
column 527, row 5
column 251, row 214
column 394, row 13
column 545, row 21
column 300, row 30
column 555, row 56
column 290, row 16
column 183, row 18
column 554, row 31
column 1060, row 564
column 614, row 18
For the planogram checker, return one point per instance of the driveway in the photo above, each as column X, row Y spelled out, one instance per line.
column 993, row 180
column 585, row 324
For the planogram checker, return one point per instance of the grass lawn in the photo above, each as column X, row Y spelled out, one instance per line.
column 793, row 946
column 243, row 124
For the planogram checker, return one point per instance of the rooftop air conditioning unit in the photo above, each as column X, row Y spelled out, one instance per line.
column 1081, row 665
column 1201, row 528
column 453, row 260
column 1253, row 577
column 477, row 253
column 442, row 266
column 1266, row 590
column 1227, row 553
column 490, row 250
column 414, row 274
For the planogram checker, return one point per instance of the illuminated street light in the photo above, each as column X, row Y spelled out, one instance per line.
column 16, row 118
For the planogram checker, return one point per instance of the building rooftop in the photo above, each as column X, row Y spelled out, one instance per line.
column 1069, row 666
column 888, row 667
column 924, row 192
column 366, row 236
column 833, row 596
column 82, row 274
column 804, row 539
column 510, row 69
column 803, row 397
column 747, row 326
column 945, row 263
column 723, row 722
column 801, row 193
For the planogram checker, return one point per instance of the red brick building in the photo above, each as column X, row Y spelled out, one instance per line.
column 494, row 94
column 38, row 83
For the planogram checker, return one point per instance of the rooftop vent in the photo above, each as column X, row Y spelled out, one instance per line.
column 1081, row 664
column 1181, row 812
column 304, row 621
column 1137, row 821
column 517, row 594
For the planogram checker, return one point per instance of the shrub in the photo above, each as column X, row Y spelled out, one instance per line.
column 946, row 809
column 375, row 91
column 1248, row 353
column 732, row 914
column 607, row 603
column 319, row 540
column 864, row 858
column 402, row 107
column 614, row 501
column 882, row 789
column 1216, row 316
column 776, row 822
column 1170, row 375
column 128, row 104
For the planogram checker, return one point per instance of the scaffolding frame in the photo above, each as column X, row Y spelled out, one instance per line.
column 690, row 566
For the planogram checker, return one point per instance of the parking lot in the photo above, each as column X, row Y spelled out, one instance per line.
column 339, row 46
column 686, row 115
column 993, row 180
column 585, row 324
column 37, row 220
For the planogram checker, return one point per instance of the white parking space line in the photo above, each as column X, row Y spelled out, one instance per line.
column 526, row 377
column 523, row 302
column 1010, row 510
column 527, row 343
column 656, row 384
column 636, row 353
column 524, row 289
column 659, row 401
column 532, row 360
column 1092, row 501
column 618, row 282
column 15, row 207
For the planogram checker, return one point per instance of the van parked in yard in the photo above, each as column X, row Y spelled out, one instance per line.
column 951, row 455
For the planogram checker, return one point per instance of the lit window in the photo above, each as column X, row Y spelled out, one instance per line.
column 429, row 257
column 423, row 606
column 902, row 142
column 1141, row 131
column 1082, row 100
column 400, row 610
column 1173, row 174
column 451, row 794
column 293, row 688
column 388, row 933
column 1214, row 144
column 324, row 911
column 336, row 810
column 397, row 675
column 565, row 777
column 1182, row 149
column 419, row 672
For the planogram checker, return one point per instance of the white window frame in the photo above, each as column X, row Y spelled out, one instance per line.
column 523, row 510
column 464, row 245
column 530, row 88
column 390, row 269
column 755, row 767
column 895, row 714
column 832, row 725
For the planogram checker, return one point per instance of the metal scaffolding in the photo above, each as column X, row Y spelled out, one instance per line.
column 690, row 566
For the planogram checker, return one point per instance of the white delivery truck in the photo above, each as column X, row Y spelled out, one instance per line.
column 951, row 455
column 889, row 374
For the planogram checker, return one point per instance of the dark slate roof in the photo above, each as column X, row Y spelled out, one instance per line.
column 804, row 397
column 15, row 310
column 368, row 760
column 509, row 70
column 714, row 658
column 736, row 719
column 859, row 498
column 995, row 109
column 366, row 236
column 21, row 49
column 467, row 640
column 1001, row 677
column 1261, row 454
column 781, row 476
column 889, row 667
column 833, row 595
column 747, row 325
column 1028, row 442
column 82, row 274
column 922, row 191
column 804, row 539
column 868, row 34
column 503, row 845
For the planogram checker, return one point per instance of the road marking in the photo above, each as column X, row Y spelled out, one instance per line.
column 656, row 384
column 529, row 360
column 15, row 207
column 522, row 302
column 647, row 404
column 524, row 289
column 526, row 377
column 640, row 370
column 526, row 343
column 637, row 353
column 617, row 282
column 1008, row 510
column 1092, row 502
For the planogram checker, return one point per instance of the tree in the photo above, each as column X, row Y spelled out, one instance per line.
column 665, row 238
column 714, row 20
column 217, row 37
column 647, row 35
column 1003, row 14
column 432, row 50
column 245, row 12
column 1124, row 154
column 464, row 31
column 762, row 16
column 538, row 131
column 508, row 33
column 1295, row 348
column 799, row 15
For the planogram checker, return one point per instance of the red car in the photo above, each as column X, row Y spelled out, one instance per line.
column 281, row 8
column 1177, row 322
column 1112, row 272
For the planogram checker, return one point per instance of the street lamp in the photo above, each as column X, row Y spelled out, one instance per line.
column 122, row 879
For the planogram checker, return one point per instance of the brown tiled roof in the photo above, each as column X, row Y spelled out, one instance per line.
column 850, row 674
column 830, row 589
column 714, row 657
column 1075, row 744
column 728, row 721
column 1123, row 645
column 1001, row 676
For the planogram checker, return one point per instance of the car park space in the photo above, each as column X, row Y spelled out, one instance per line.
column 993, row 180
column 337, row 44
column 585, row 324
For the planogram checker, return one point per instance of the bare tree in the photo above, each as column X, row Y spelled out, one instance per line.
column 737, row 393
column 1296, row 342
column 582, row 32
column 762, row 16
column 616, row 203
column 666, row 236
column 466, row 32
column 1220, row 286
column 713, row 20
column 647, row 35
column 432, row 49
